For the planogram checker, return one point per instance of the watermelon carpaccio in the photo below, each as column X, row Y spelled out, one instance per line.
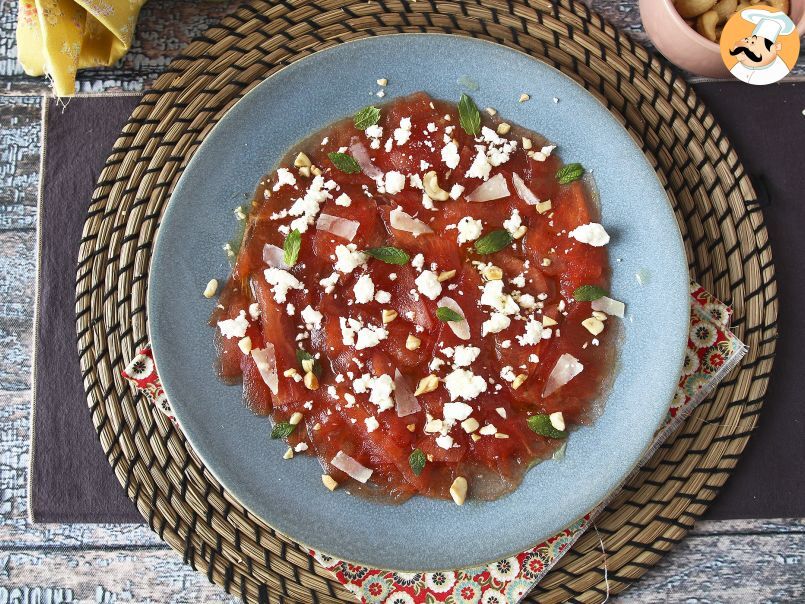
column 375, row 328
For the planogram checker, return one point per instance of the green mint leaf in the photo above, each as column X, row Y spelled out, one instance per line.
column 588, row 293
column 567, row 174
column 291, row 247
column 447, row 314
column 345, row 163
column 417, row 461
column 541, row 424
column 282, row 430
column 494, row 241
column 469, row 116
column 368, row 116
column 388, row 254
column 304, row 355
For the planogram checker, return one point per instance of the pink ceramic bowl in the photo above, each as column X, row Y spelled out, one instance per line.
column 682, row 45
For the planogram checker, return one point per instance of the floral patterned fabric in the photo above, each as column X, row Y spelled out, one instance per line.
column 58, row 37
column 712, row 352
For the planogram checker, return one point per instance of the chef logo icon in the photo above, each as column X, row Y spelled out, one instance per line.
column 760, row 45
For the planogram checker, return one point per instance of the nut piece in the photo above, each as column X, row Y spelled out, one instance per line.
column 706, row 25
column 475, row 437
column 599, row 315
column 445, row 275
column 689, row 9
column 491, row 112
column 544, row 206
column 593, row 325
column 315, row 170
column 557, row 420
column 527, row 144
column 295, row 418
column 307, row 365
column 382, row 82
column 501, row 435
column 411, row 427
column 389, row 314
column 519, row 380
column 725, row 8
column 503, row 128
column 288, row 454
column 329, row 482
column 290, row 372
column 548, row 321
column 245, row 345
column 211, row 288
column 523, row 98
column 304, row 171
column 519, row 232
column 412, row 342
column 458, row 490
column 430, row 182
column 470, row 425
column 492, row 273
column 302, row 161
column 311, row 381
column 429, row 383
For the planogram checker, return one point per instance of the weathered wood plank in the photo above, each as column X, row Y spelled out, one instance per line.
column 19, row 161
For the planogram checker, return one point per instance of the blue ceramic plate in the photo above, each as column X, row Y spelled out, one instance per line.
column 421, row 534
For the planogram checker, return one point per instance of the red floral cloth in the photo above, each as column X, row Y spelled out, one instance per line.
column 712, row 352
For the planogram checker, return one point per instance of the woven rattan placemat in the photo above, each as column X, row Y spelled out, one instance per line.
column 712, row 196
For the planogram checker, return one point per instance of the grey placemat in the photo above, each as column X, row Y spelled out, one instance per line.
column 72, row 481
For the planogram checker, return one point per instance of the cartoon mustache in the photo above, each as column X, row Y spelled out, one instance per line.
column 750, row 55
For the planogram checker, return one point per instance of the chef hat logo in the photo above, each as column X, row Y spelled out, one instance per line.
column 759, row 45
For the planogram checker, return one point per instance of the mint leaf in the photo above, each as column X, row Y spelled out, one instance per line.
column 567, row 174
column 468, row 115
column 291, row 247
column 541, row 424
column 388, row 254
column 448, row 314
column 494, row 241
column 345, row 163
column 368, row 116
column 282, row 430
column 417, row 461
column 588, row 293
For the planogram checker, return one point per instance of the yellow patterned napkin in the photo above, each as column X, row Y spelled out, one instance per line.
column 58, row 37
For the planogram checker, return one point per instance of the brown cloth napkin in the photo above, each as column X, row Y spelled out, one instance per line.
column 71, row 479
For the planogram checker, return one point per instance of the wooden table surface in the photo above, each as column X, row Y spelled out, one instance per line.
column 725, row 561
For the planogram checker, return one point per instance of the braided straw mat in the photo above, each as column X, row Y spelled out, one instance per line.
column 720, row 219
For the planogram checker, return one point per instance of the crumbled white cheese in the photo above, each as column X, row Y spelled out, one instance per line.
column 382, row 297
column 370, row 336
column 418, row 262
column 307, row 207
column 311, row 317
column 465, row 355
column 403, row 133
column 493, row 296
column 461, row 383
column 469, row 229
column 507, row 373
column 513, row 223
column 328, row 283
column 394, row 182
column 488, row 430
column 533, row 333
column 591, row 233
column 456, row 412
column 428, row 284
column 364, row 290
column 234, row 328
column 380, row 391
column 496, row 323
column 427, row 202
column 284, row 177
column 480, row 167
column 445, row 441
column 282, row 281
column 450, row 155
column 431, row 127
column 374, row 133
column 371, row 423
column 254, row 310
column 527, row 301
column 290, row 309
column 455, row 191
column 348, row 258
column 518, row 281
column 343, row 200
column 415, row 181
column 543, row 153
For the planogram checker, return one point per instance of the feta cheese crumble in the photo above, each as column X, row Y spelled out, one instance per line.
column 496, row 323
column 234, row 328
column 591, row 233
column 461, row 383
column 463, row 356
column 469, row 229
column 364, row 290
column 311, row 317
column 281, row 282
column 348, row 258
column 428, row 284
